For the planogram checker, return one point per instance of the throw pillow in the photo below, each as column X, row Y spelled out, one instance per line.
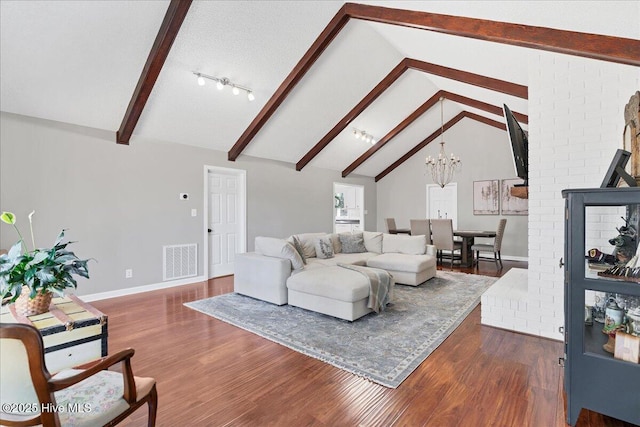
column 372, row 241
column 298, row 246
column 335, row 240
column 324, row 247
column 279, row 248
column 400, row 244
column 308, row 243
column 352, row 244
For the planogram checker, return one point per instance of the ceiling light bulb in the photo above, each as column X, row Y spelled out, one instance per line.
column 220, row 85
column 201, row 81
column 235, row 90
column 373, row 141
column 250, row 96
column 356, row 134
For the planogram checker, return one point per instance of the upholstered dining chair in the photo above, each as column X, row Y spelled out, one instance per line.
column 442, row 238
column 391, row 225
column 92, row 396
column 421, row 227
column 495, row 247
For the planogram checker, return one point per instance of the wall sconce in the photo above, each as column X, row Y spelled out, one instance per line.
column 360, row 134
column 221, row 82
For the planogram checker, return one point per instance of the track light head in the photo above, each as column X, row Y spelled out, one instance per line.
column 250, row 96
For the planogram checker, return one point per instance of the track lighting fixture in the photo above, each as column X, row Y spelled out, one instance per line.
column 221, row 82
column 360, row 134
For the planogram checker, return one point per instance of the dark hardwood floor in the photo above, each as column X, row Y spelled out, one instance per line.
column 210, row 373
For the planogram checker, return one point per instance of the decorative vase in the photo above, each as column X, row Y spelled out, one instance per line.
column 30, row 307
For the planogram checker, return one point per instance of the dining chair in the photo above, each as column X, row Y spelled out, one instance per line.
column 442, row 238
column 391, row 225
column 421, row 227
column 91, row 396
column 494, row 247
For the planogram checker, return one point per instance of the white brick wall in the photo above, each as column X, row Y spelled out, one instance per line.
column 576, row 120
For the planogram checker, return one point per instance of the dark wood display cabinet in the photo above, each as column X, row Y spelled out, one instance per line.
column 594, row 378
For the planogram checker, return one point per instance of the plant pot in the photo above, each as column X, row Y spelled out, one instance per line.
column 30, row 307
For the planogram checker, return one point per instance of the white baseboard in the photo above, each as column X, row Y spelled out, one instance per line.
column 140, row 289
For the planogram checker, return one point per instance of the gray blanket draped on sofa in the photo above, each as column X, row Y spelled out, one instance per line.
column 380, row 283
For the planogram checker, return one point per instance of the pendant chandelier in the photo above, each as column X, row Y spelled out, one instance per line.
column 443, row 168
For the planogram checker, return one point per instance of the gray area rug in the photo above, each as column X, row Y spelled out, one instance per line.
column 384, row 348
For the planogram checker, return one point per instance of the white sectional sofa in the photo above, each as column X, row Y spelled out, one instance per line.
column 303, row 269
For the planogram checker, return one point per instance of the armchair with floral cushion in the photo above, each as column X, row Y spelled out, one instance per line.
column 91, row 396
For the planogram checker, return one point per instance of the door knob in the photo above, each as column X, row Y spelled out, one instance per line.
column 561, row 263
column 209, row 230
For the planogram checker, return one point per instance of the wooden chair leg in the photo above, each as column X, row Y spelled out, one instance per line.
column 153, row 407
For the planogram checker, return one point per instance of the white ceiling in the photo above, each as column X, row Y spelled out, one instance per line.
column 79, row 62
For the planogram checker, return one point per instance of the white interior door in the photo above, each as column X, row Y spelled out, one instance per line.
column 443, row 202
column 225, row 221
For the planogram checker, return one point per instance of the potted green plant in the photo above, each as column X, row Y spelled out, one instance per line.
column 30, row 278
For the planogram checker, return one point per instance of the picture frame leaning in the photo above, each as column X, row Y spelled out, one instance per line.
column 512, row 205
column 486, row 197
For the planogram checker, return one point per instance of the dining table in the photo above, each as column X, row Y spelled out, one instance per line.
column 400, row 231
column 468, row 237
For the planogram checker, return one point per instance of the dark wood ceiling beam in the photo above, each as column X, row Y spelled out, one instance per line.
column 173, row 19
column 420, row 146
column 424, row 108
column 384, row 84
column 310, row 57
column 490, row 83
column 606, row 48
column 490, row 108
column 486, row 120
column 392, row 134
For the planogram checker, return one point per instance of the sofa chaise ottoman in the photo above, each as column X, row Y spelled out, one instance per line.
column 333, row 290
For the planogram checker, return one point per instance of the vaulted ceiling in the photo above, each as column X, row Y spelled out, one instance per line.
column 82, row 62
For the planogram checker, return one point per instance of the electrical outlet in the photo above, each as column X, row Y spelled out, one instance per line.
column 194, row 212
column 128, row 273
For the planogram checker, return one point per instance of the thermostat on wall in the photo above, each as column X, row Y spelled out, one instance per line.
column 184, row 196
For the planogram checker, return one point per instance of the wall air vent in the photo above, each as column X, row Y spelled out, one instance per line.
column 179, row 261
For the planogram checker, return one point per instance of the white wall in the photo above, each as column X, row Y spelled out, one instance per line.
column 485, row 155
column 120, row 203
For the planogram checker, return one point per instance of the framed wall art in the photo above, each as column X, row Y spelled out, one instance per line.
column 512, row 205
column 486, row 197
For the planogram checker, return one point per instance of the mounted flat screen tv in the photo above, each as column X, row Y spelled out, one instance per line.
column 519, row 143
